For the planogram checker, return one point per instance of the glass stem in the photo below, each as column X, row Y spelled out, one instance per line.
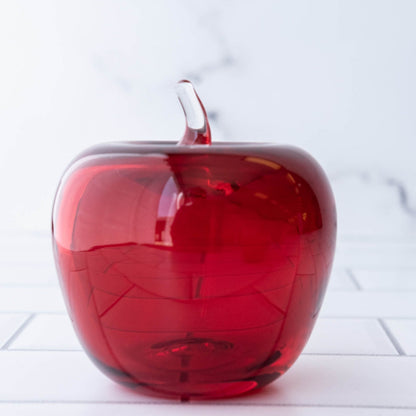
column 197, row 126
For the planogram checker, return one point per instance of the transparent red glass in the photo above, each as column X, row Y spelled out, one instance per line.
column 194, row 270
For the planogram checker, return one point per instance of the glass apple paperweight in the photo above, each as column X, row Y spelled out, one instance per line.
column 194, row 269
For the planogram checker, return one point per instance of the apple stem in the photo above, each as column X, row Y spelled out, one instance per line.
column 197, row 126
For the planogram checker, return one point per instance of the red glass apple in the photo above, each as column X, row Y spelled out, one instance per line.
column 194, row 269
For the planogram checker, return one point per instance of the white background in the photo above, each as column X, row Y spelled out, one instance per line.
column 334, row 77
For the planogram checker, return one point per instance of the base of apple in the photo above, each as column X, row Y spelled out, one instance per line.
column 193, row 367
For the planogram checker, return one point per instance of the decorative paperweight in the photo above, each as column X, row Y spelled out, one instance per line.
column 194, row 268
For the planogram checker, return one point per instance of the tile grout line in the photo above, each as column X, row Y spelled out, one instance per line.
column 323, row 354
column 45, row 350
column 19, row 330
column 46, row 285
column 50, row 312
column 321, row 316
column 391, row 337
column 354, row 280
column 205, row 403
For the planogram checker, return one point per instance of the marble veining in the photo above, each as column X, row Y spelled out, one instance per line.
column 334, row 79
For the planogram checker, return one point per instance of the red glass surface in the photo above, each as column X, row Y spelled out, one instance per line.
column 194, row 270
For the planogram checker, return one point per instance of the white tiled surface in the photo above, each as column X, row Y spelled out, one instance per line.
column 386, row 279
column 47, row 332
column 132, row 409
column 404, row 331
column 33, row 299
column 9, row 325
column 349, row 336
column 341, row 280
column 321, row 380
column 360, row 359
column 16, row 272
column 370, row 304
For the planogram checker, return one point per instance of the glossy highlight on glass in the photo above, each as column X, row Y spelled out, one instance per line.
column 194, row 269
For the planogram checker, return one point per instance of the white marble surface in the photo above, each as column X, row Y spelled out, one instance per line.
column 334, row 77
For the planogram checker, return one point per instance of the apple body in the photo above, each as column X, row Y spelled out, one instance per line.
column 194, row 270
